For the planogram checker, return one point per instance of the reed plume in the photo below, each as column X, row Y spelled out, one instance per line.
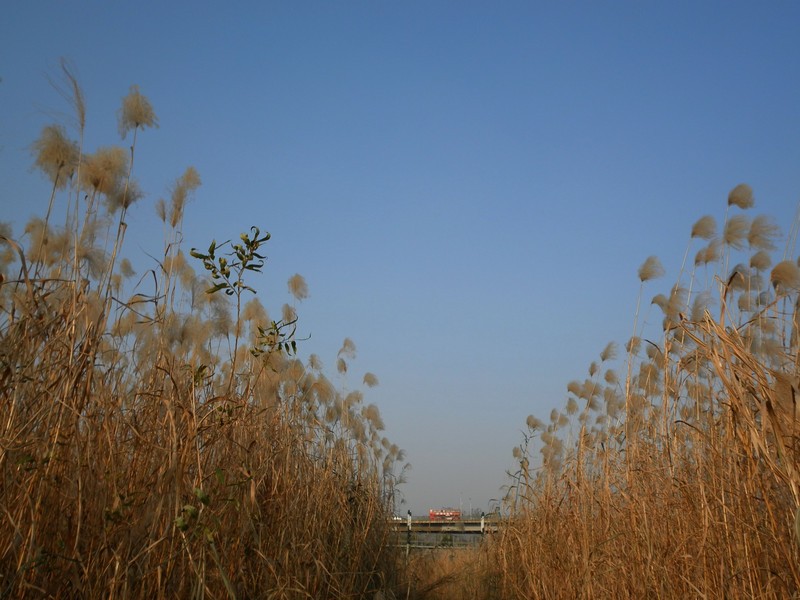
column 131, row 467
column 684, row 482
column 298, row 287
column 136, row 112
column 741, row 196
column 705, row 228
column 736, row 231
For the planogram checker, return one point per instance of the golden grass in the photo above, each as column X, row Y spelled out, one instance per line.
column 450, row 574
column 139, row 456
column 172, row 445
column 683, row 480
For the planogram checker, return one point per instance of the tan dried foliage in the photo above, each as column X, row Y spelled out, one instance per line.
column 298, row 287
column 741, row 196
column 56, row 155
column 651, row 269
column 136, row 112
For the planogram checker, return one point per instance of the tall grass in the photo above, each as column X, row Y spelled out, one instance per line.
column 442, row 574
column 160, row 441
column 673, row 473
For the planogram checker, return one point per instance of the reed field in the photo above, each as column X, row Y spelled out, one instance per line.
column 161, row 438
column 672, row 469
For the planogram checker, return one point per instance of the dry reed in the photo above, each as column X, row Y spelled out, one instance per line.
column 139, row 458
column 686, row 481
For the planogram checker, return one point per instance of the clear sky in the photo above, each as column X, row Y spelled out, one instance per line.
column 468, row 187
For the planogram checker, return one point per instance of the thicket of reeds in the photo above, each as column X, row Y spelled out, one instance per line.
column 451, row 574
column 672, row 471
column 159, row 436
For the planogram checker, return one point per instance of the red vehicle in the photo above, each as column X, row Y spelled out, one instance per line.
column 444, row 514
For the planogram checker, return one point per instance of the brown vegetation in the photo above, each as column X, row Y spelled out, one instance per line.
column 680, row 478
column 165, row 441
column 168, row 442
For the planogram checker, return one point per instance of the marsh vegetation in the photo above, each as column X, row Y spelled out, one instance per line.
column 672, row 472
column 161, row 437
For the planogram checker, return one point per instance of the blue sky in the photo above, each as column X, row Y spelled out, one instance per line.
column 468, row 188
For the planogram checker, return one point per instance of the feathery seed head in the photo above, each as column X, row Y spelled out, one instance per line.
column 254, row 312
column 181, row 191
column 763, row 232
column 739, row 276
column 116, row 283
column 73, row 94
column 333, row 412
column 609, row 395
column 705, row 228
column 104, row 170
column 124, row 196
column 741, row 196
column 747, row 302
column 785, row 276
column 661, row 301
column 609, row 352
column 93, row 258
column 533, row 423
column 373, row 416
column 136, row 111
column 650, row 269
column 613, row 405
column 59, row 245
column 56, row 155
column 314, row 362
column 298, row 287
column 295, row 369
column 761, row 261
column 370, row 380
column 288, row 313
column 324, row 390
column 590, row 389
column 348, row 349
column 677, row 302
column 572, row 406
column 708, row 254
column 161, row 210
column 126, row 269
column 700, row 305
column 222, row 322
column 38, row 233
column 174, row 263
column 633, row 345
column 736, row 230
